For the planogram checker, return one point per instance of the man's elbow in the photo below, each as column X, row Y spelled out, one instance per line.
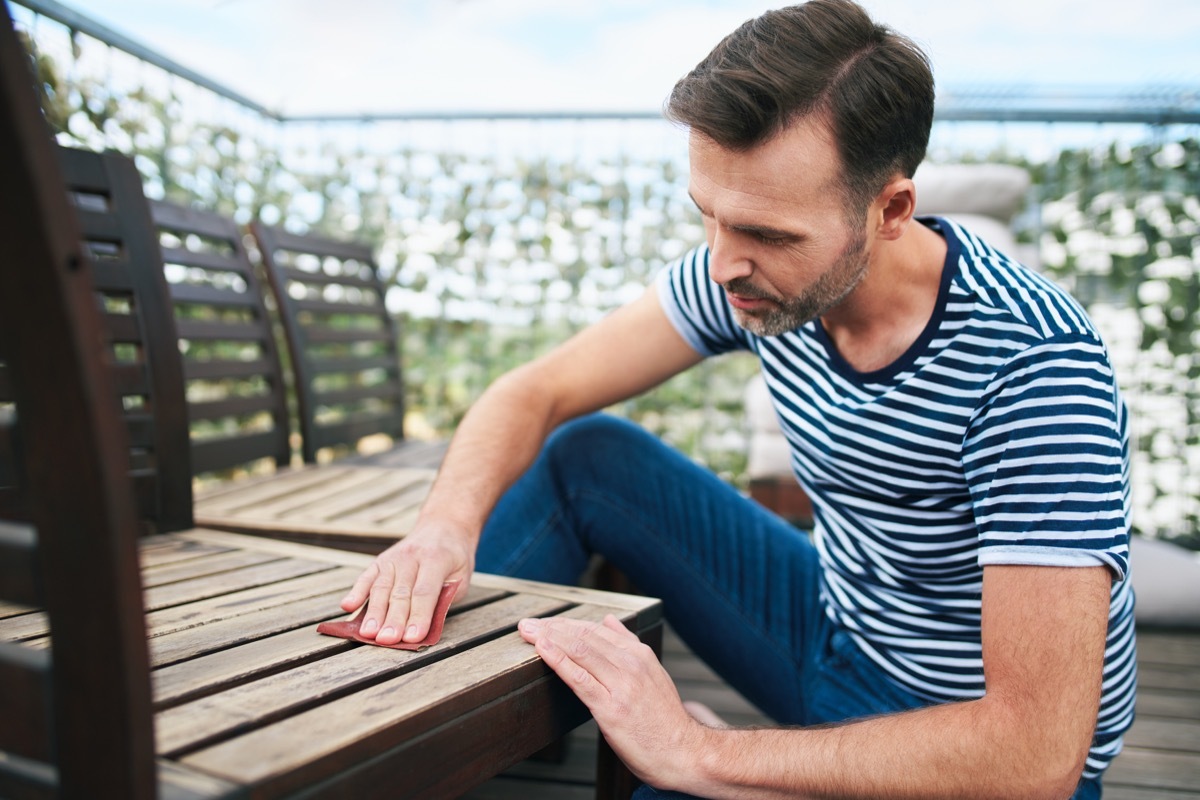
column 1055, row 772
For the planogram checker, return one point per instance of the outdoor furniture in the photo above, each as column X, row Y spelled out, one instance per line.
column 343, row 344
column 186, row 663
column 237, row 397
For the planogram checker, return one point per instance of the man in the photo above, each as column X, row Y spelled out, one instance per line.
column 962, row 624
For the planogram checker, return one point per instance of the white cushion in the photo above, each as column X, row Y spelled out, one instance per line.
column 1166, row 580
column 991, row 190
column 768, row 456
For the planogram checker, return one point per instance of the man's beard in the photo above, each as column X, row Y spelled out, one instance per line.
column 788, row 314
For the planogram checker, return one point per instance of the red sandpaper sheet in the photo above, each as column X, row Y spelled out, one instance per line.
column 348, row 628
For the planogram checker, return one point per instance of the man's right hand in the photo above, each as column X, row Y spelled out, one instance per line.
column 401, row 586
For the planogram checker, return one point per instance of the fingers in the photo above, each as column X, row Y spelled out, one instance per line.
column 606, row 651
column 400, row 591
column 577, row 676
column 359, row 591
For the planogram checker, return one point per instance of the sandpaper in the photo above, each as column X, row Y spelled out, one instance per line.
column 348, row 628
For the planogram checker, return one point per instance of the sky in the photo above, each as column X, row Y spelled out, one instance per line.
column 351, row 56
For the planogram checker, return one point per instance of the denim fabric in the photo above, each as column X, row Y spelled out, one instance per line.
column 738, row 584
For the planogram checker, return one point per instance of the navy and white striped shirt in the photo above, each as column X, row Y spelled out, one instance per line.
column 999, row 437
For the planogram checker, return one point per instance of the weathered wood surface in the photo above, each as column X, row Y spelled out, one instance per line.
column 248, row 696
column 357, row 506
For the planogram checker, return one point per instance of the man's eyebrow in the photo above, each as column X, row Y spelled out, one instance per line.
column 765, row 232
column 755, row 230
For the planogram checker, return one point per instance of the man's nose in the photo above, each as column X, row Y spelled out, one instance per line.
column 726, row 260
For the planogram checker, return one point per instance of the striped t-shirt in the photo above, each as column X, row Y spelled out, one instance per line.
column 999, row 437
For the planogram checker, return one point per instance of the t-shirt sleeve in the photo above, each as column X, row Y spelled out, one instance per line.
column 697, row 307
column 1046, row 460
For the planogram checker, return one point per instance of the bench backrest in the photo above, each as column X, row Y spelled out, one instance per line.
column 77, row 715
column 236, row 394
column 341, row 339
column 114, row 222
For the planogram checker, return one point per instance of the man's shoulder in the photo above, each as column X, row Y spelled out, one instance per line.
column 1008, row 294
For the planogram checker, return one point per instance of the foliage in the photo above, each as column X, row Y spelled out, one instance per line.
column 495, row 258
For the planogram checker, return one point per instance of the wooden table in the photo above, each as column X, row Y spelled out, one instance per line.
column 251, row 700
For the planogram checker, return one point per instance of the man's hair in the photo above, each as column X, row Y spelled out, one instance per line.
column 874, row 86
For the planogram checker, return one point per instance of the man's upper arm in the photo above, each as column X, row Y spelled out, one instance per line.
column 1044, row 634
column 628, row 352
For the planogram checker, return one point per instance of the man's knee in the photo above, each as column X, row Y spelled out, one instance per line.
column 594, row 436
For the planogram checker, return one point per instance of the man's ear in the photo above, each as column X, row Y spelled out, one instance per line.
column 896, row 204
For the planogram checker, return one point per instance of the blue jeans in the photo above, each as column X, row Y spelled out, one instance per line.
column 738, row 584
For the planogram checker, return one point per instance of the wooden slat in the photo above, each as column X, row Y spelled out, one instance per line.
column 1162, row 770
column 323, row 279
column 205, row 566
column 1165, row 734
column 205, row 259
column 355, row 426
column 19, row 567
column 231, row 407
column 214, row 454
column 219, row 370
column 249, row 577
column 237, row 601
column 131, row 379
column 123, row 328
column 203, row 330
column 269, row 501
column 184, row 220
column 209, row 720
column 26, row 779
column 246, row 492
column 176, row 782
column 409, row 484
column 417, row 702
column 340, row 307
column 25, row 704
column 1168, row 704
column 211, row 296
column 321, row 334
column 391, row 390
column 320, row 246
column 100, row 225
column 113, row 278
column 158, row 551
column 192, row 642
column 259, row 658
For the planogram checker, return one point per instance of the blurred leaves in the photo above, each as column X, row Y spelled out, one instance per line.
column 494, row 259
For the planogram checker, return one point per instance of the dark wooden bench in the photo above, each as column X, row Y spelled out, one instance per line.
column 185, row 663
column 344, row 345
column 237, row 392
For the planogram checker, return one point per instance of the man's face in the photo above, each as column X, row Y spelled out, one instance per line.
column 779, row 241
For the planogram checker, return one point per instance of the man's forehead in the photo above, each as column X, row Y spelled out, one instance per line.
column 798, row 165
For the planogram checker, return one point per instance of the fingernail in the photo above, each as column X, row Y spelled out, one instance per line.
column 369, row 627
column 411, row 633
column 387, row 633
column 530, row 625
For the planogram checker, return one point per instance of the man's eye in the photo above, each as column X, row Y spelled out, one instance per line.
column 772, row 240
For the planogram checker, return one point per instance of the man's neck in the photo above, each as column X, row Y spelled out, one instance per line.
column 886, row 313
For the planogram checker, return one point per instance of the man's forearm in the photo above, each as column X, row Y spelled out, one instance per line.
column 494, row 444
column 976, row 749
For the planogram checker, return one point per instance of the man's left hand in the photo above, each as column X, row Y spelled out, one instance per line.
column 631, row 696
